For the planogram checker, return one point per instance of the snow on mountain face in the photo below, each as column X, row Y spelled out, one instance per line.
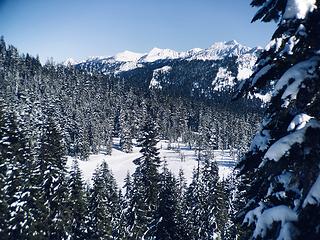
column 217, row 51
column 246, row 62
column 196, row 72
column 158, row 73
column 193, row 51
column 128, row 56
column 223, row 79
column 160, row 54
column 220, row 50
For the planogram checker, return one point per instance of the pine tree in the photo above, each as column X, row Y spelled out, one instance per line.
column 125, row 135
column 208, row 136
column 83, row 144
column 282, row 165
column 137, row 211
column 77, row 204
column 194, row 208
column 232, row 227
column 126, row 140
column 181, row 215
column 144, row 198
column 222, row 208
column 205, row 206
column 4, row 144
column 165, row 224
column 104, row 205
column 128, row 187
column 17, row 185
column 2, row 64
column 107, row 136
column 52, row 181
column 125, row 206
column 211, row 202
column 19, row 189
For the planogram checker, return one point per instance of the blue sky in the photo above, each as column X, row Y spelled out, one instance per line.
column 82, row 28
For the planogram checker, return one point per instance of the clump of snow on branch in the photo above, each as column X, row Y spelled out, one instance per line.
column 261, row 73
column 281, row 147
column 289, row 46
column 285, row 180
column 293, row 78
column 313, row 196
column 254, row 214
column 264, row 220
column 298, row 8
column 299, row 122
column 275, row 43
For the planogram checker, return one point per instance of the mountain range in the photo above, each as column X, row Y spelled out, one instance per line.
column 197, row 72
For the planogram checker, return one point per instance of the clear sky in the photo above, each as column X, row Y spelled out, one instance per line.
column 82, row 28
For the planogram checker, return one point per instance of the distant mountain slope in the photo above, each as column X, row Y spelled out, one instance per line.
column 197, row 72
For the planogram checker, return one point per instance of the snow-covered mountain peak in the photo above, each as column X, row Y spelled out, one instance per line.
column 128, row 56
column 159, row 54
column 220, row 50
column 194, row 51
column 197, row 71
column 97, row 58
column 216, row 51
column 228, row 45
column 230, row 51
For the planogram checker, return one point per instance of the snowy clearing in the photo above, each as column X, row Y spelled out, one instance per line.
column 179, row 157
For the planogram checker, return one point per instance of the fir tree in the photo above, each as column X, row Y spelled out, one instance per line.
column 282, row 165
column 181, row 210
column 125, row 210
column 126, row 140
column 107, row 136
column 211, row 202
column 194, row 208
column 104, row 205
column 83, row 144
column 205, row 215
column 77, row 204
column 52, row 181
column 19, row 188
column 144, row 197
column 165, row 224
column 4, row 144
column 232, row 228
column 125, row 135
column 221, row 210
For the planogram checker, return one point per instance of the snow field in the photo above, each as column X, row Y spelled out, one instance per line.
column 180, row 156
